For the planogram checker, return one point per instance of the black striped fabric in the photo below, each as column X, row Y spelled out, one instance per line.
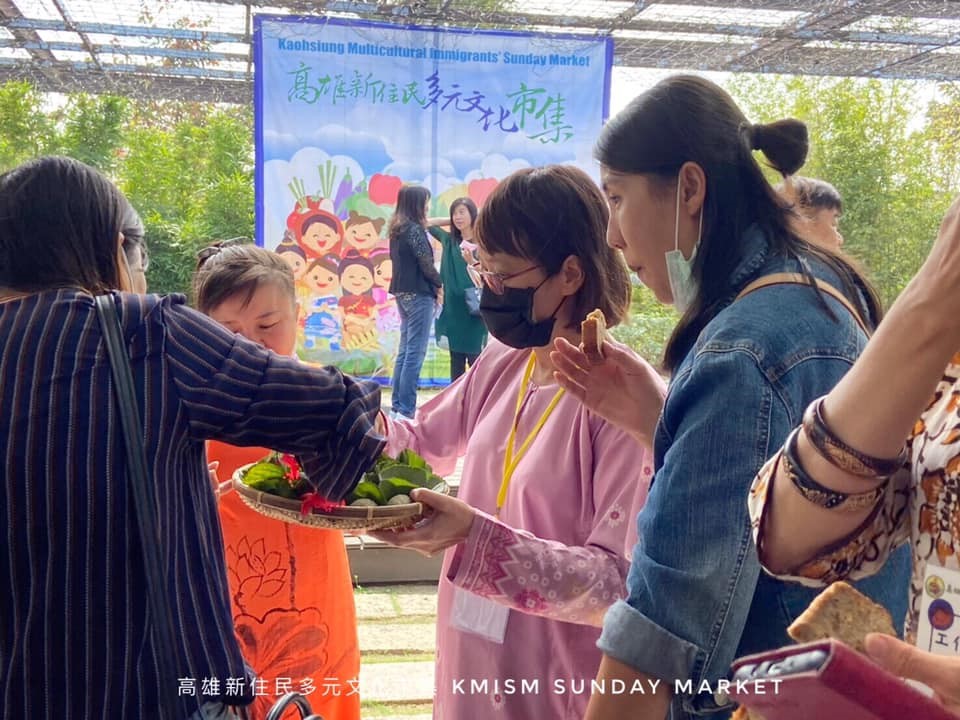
column 73, row 610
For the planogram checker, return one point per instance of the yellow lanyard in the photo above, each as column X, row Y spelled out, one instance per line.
column 512, row 457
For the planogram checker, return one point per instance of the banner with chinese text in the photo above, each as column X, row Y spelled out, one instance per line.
column 348, row 111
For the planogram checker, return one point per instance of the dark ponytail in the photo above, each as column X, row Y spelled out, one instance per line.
column 785, row 143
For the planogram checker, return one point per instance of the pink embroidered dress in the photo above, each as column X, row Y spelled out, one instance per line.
column 557, row 556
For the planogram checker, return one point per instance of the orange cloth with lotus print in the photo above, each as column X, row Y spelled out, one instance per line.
column 292, row 601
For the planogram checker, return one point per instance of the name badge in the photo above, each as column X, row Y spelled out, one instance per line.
column 479, row 616
column 938, row 629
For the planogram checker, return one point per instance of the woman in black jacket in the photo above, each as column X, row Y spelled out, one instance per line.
column 417, row 286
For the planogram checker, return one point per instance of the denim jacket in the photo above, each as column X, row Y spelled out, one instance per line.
column 697, row 599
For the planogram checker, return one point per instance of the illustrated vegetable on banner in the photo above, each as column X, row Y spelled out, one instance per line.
column 347, row 112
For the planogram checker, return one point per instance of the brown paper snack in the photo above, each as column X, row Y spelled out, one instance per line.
column 842, row 613
column 593, row 332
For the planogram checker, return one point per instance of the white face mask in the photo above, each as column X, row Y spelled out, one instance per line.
column 680, row 269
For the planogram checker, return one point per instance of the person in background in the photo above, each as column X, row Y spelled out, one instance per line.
column 418, row 289
column 538, row 536
column 465, row 332
column 818, row 207
column 134, row 247
column 695, row 218
column 76, row 635
column 882, row 452
column 290, row 587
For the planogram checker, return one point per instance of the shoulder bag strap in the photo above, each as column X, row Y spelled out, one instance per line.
column 139, row 486
column 798, row 279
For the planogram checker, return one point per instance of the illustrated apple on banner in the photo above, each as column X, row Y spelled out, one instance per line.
column 480, row 189
column 383, row 189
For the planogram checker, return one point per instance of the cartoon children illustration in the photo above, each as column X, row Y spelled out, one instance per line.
column 321, row 282
column 388, row 318
column 321, row 233
column 362, row 233
column 382, row 272
column 294, row 256
column 356, row 301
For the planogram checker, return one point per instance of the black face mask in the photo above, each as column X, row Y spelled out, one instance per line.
column 509, row 317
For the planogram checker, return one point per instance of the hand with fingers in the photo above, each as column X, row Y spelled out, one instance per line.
column 219, row 488
column 623, row 388
column 446, row 522
column 939, row 276
column 940, row 673
column 212, row 471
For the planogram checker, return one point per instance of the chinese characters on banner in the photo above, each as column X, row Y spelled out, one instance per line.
column 346, row 112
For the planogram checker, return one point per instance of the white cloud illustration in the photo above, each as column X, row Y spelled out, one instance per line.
column 278, row 197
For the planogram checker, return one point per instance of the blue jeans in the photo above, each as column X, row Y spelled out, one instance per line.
column 416, row 314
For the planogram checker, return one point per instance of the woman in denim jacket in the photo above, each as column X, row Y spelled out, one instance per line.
column 698, row 222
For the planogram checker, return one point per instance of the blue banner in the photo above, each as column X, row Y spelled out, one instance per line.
column 346, row 112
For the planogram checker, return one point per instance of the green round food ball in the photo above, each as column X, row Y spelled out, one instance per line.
column 363, row 502
column 400, row 499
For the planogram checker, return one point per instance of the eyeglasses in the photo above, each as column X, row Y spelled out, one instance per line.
column 133, row 239
column 495, row 280
column 214, row 248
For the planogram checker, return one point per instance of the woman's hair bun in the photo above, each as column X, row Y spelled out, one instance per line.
column 785, row 143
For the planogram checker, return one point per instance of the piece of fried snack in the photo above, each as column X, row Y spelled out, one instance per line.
column 842, row 613
column 593, row 333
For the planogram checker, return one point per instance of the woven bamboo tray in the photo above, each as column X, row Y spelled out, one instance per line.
column 380, row 517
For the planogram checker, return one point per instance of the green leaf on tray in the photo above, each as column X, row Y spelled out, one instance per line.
column 369, row 490
column 382, row 463
column 410, row 458
column 418, row 476
column 264, row 476
column 396, row 486
column 270, row 477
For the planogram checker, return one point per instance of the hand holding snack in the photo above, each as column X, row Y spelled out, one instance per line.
column 938, row 672
column 843, row 615
column 447, row 522
column 621, row 386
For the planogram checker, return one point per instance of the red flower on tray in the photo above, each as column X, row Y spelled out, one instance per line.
column 316, row 501
column 293, row 467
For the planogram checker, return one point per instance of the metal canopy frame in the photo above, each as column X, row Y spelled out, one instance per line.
column 200, row 49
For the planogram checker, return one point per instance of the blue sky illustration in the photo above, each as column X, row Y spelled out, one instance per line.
column 436, row 146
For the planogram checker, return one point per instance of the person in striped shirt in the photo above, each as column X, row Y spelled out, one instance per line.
column 75, row 638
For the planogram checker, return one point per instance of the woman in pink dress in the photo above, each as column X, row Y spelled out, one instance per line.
column 538, row 539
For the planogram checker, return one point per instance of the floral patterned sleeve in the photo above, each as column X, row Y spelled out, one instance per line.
column 858, row 556
column 540, row 577
column 551, row 579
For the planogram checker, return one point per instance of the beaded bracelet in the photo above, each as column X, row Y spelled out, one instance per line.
column 841, row 455
column 817, row 493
